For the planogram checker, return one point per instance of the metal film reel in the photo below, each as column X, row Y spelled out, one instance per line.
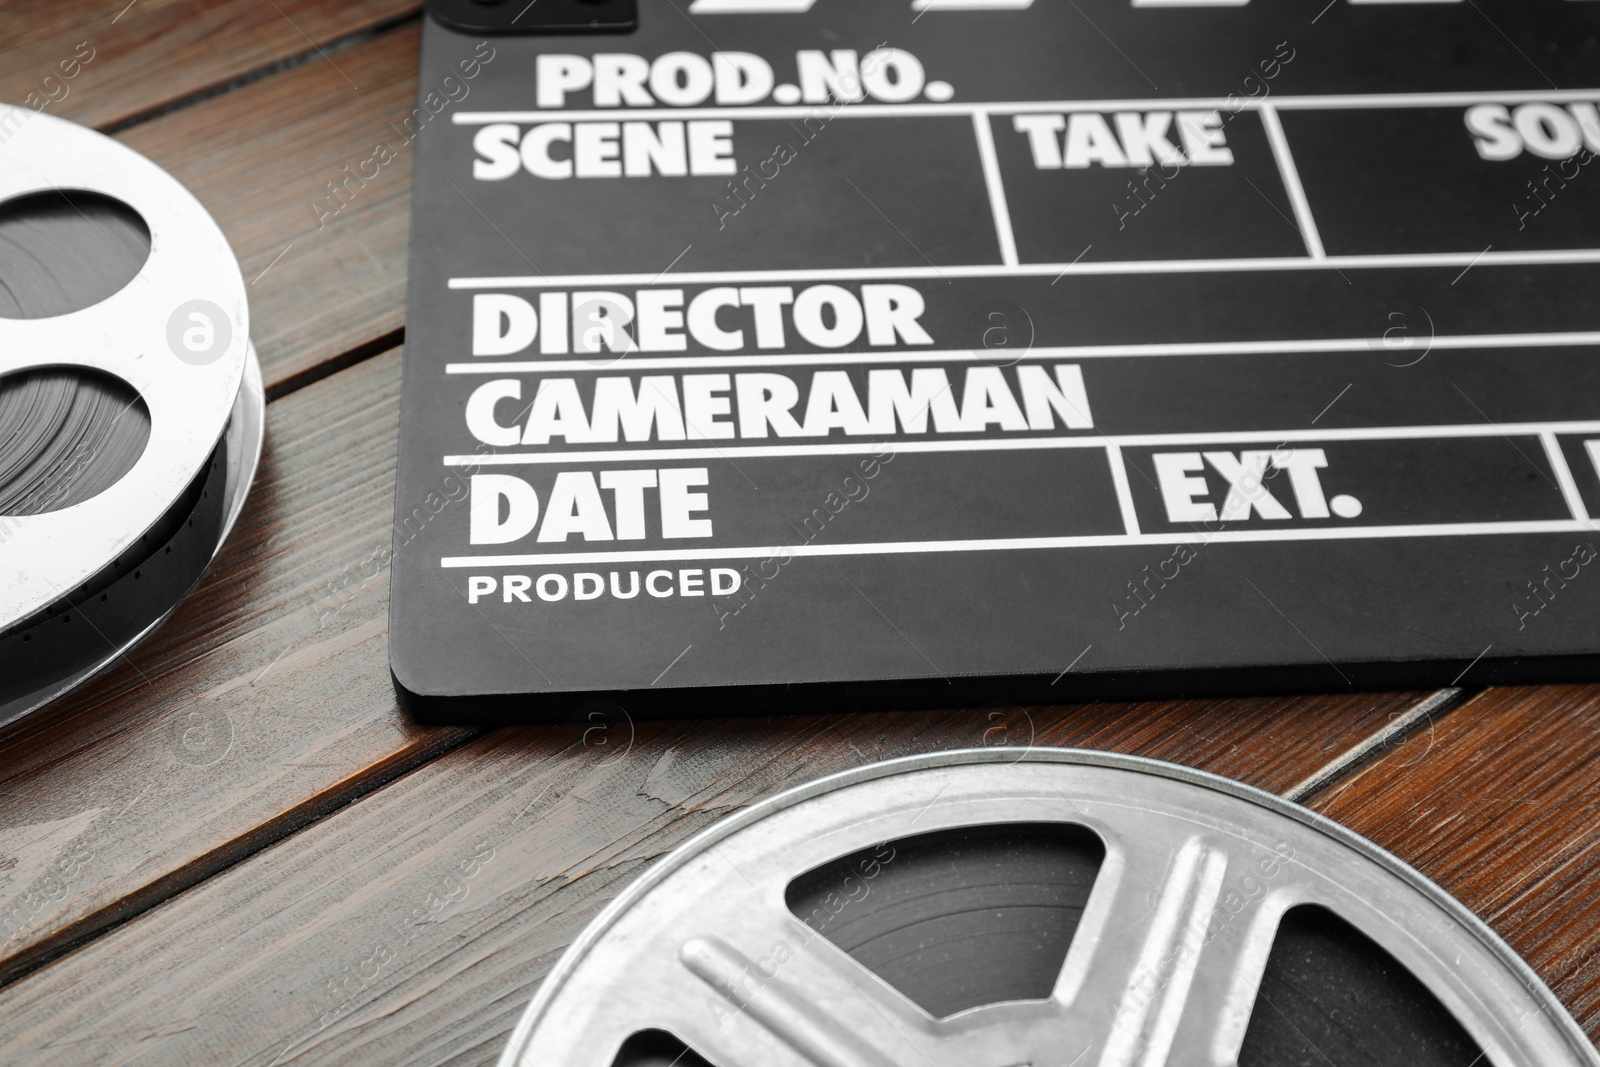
column 117, row 563
column 1096, row 911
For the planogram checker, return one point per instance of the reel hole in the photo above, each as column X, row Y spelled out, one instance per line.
column 657, row 1048
column 66, row 435
column 65, row 250
column 1332, row 994
column 958, row 918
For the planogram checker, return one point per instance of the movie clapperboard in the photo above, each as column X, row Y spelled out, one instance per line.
column 767, row 355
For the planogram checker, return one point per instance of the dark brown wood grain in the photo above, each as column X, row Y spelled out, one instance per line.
column 263, row 703
column 289, row 168
column 102, row 63
column 1500, row 804
column 183, row 790
column 247, row 967
column 107, row 764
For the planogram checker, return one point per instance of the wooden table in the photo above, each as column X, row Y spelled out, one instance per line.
column 234, row 847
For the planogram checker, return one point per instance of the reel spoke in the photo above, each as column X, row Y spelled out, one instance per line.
column 1164, row 964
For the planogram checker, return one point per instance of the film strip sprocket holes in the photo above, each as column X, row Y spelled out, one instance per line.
column 131, row 404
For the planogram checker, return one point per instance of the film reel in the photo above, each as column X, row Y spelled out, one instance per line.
column 1049, row 908
column 131, row 403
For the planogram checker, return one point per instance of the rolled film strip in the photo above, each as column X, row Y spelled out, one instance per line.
column 1052, row 908
column 131, row 402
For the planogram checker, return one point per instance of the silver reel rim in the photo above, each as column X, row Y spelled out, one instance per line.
column 1543, row 1034
column 242, row 442
column 125, row 335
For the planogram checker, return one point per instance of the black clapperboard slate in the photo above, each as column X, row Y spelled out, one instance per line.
column 767, row 355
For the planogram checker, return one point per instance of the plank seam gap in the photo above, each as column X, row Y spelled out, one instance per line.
column 198, row 96
column 343, row 361
column 246, row 846
column 1425, row 713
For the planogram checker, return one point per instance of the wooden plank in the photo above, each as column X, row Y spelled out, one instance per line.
column 128, row 59
column 1499, row 805
column 288, row 167
column 262, row 704
column 413, row 925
